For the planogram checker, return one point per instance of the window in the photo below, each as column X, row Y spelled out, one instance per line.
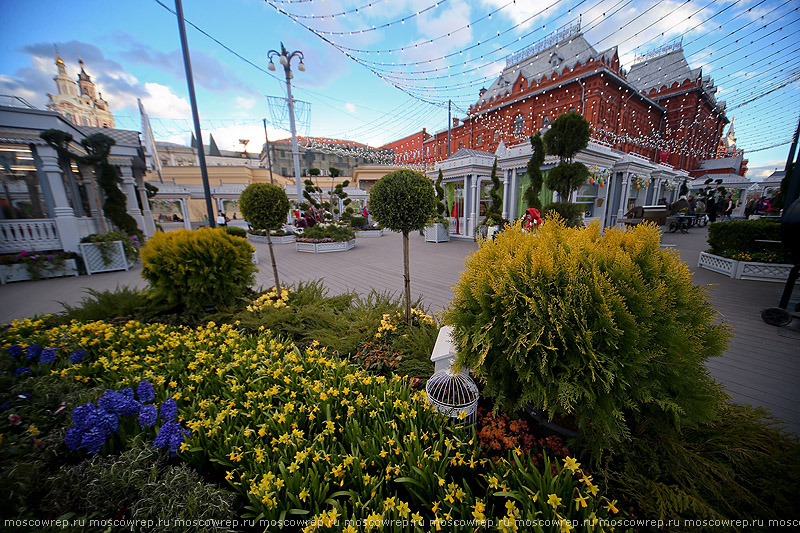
column 496, row 135
column 460, row 145
column 479, row 140
column 519, row 125
column 283, row 171
column 545, row 121
column 21, row 195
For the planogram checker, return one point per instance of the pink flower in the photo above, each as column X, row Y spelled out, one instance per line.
column 23, row 253
column 14, row 420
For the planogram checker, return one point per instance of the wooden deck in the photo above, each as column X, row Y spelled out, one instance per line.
column 760, row 367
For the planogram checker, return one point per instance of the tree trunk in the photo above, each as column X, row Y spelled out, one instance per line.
column 407, row 278
column 274, row 266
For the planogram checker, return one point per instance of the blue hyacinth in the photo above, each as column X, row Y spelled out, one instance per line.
column 15, row 350
column 111, row 401
column 93, row 439
column 145, row 392
column 33, row 351
column 148, row 415
column 171, row 436
column 169, row 410
column 48, row 356
column 73, row 438
column 22, row 370
column 77, row 356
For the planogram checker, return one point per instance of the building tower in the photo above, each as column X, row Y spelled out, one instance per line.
column 79, row 102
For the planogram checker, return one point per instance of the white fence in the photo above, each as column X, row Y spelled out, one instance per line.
column 30, row 235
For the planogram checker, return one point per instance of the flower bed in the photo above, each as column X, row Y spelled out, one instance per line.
column 748, row 270
column 32, row 266
column 437, row 233
column 280, row 237
column 318, row 247
column 294, row 433
column 370, row 232
column 115, row 250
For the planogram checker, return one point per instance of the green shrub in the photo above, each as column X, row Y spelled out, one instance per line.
column 358, row 222
column 235, row 231
column 141, row 481
column 607, row 328
column 264, row 205
column 320, row 232
column 571, row 213
column 198, row 268
column 739, row 237
column 107, row 305
column 739, row 466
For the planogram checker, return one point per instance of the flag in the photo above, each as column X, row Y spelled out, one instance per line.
column 150, row 153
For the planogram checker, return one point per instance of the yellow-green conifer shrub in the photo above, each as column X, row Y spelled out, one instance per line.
column 198, row 267
column 608, row 328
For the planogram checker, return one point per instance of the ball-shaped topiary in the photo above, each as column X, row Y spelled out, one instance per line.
column 403, row 201
column 264, row 205
column 198, row 268
column 606, row 327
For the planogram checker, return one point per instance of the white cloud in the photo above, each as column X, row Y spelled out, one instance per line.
column 350, row 107
column 524, row 14
column 245, row 103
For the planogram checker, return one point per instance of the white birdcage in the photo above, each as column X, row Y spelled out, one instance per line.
column 453, row 394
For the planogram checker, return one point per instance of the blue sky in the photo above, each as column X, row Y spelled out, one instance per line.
column 377, row 85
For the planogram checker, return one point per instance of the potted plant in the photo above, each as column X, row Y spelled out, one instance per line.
column 363, row 228
column 326, row 238
column 35, row 265
column 279, row 236
column 105, row 252
column 438, row 229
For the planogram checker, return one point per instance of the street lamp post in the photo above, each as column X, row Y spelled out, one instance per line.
column 285, row 57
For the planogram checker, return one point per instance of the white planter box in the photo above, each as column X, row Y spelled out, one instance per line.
column 437, row 233
column 322, row 247
column 723, row 265
column 763, row 271
column 745, row 269
column 93, row 259
column 369, row 233
column 19, row 272
column 287, row 239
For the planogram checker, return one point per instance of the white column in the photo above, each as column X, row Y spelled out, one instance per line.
column 465, row 214
column 149, row 226
column 129, row 188
column 63, row 215
column 506, row 179
column 476, row 200
column 184, row 203
column 512, row 195
column 623, row 201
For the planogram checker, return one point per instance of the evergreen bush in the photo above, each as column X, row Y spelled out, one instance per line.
column 607, row 328
column 236, row 231
column 571, row 213
column 739, row 237
column 358, row 222
column 198, row 268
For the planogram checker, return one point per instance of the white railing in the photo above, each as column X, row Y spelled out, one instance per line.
column 30, row 235
column 171, row 226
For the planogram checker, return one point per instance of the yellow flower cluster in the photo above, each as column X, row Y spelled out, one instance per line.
column 390, row 322
column 304, row 433
column 270, row 299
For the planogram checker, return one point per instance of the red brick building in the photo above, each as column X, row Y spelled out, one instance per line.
column 661, row 109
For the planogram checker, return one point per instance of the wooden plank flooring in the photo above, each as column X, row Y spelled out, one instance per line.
column 760, row 366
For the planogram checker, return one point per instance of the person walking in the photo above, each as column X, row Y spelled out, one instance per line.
column 222, row 220
column 727, row 209
column 711, row 209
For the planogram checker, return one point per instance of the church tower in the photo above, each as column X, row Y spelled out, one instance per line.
column 79, row 102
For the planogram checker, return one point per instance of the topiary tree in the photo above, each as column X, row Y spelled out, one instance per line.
column 313, row 194
column 339, row 194
column 440, row 207
column 265, row 206
column 605, row 327
column 334, row 172
column 198, row 268
column 494, row 214
column 98, row 147
column 568, row 135
column 313, row 171
column 403, row 201
column 535, row 172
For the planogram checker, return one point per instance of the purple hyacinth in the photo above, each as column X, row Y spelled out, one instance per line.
column 170, row 436
column 77, row 356
column 169, row 410
column 33, row 351
column 111, row 401
column 93, row 439
column 148, row 415
column 73, row 439
column 15, row 350
column 145, row 391
column 48, row 356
